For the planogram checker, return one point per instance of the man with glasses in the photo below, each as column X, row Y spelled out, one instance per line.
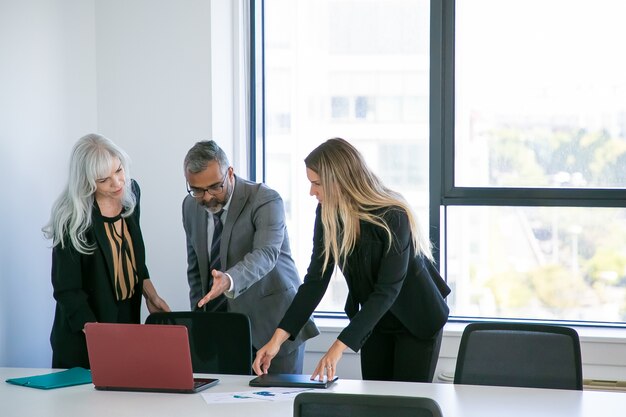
column 238, row 254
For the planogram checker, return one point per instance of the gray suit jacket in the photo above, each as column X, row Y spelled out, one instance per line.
column 255, row 252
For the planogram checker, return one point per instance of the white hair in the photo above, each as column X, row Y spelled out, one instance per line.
column 92, row 157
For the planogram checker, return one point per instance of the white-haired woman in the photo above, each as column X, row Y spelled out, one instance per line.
column 395, row 298
column 98, row 256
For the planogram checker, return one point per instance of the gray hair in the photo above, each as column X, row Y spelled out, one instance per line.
column 201, row 154
column 71, row 215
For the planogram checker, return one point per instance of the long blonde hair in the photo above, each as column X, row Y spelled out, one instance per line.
column 70, row 219
column 352, row 192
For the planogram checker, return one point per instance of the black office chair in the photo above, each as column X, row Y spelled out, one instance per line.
column 519, row 355
column 219, row 342
column 317, row 404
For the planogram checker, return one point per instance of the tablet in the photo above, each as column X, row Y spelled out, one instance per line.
column 290, row 380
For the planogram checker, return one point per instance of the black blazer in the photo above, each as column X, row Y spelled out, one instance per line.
column 379, row 280
column 83, row 289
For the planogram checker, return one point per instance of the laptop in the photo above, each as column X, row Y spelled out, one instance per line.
column 290, row 380
column 142, row 357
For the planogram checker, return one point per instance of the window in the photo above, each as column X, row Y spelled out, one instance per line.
column 544, row 107
column 502, row 121
column 533, row 224
column 356, row 69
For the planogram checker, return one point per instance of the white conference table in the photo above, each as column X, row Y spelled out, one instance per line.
column 454, row 400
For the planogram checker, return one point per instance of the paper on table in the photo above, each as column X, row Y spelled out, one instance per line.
column 67, row 378
column 273, row 394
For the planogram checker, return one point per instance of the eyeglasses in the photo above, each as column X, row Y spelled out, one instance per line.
column 212, row 190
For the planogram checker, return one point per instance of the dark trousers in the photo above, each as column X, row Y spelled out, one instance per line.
column 391, row 353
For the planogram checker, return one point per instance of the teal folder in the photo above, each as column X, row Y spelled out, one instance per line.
column 67, row 378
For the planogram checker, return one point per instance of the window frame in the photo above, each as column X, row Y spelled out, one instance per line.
column 443, row 192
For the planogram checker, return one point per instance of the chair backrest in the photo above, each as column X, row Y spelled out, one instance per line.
column 219, row 342
column 519, row 355
column 316, row 404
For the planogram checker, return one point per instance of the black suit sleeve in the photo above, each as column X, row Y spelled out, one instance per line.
column 385, row 267
column 137, row 235
column 68, row 289
column 313, row 288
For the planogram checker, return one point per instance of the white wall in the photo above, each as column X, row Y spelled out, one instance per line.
column 137, row 71
column 154, row 100
column 47, row 101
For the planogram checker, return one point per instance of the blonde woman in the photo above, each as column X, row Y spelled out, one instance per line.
column 395, row 298
column 98, row 256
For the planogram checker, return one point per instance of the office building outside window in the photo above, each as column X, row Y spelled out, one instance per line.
column 536, row 225
column 532, row 219
column 351, row 69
